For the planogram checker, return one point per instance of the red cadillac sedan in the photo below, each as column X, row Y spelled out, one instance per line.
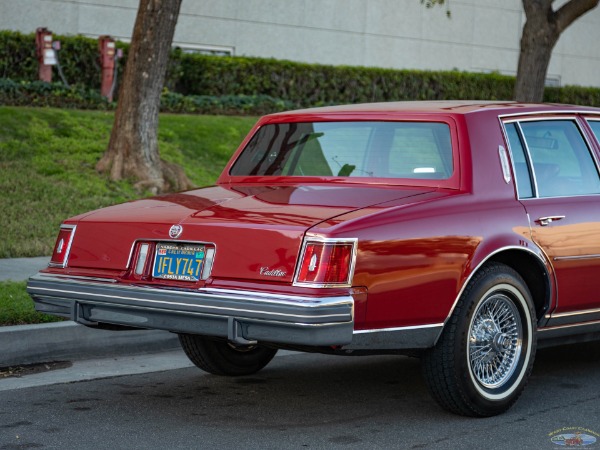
column 462, row 233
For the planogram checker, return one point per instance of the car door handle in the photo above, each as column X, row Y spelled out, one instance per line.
column 543, row 221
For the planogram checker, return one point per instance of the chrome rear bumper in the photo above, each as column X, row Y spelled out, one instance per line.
column 240, row 316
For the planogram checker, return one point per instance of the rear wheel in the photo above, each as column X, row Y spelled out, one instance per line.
column 483, row 359
column 223, row 358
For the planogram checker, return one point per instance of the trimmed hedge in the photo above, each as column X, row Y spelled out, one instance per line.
column 240, row 85
column 17, row 56
column 255, row 105
column 38, row 93
column 574, row 95
column 78, row 58
column 314, row 84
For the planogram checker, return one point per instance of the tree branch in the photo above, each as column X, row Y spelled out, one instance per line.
column 571, row 11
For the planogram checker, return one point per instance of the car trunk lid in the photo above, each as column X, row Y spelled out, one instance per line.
column 256, row 231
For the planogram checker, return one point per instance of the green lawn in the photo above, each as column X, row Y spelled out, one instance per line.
column 48, row 158
column 16, row 307
column 47, row 172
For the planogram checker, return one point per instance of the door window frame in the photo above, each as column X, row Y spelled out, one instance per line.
column 575, row 118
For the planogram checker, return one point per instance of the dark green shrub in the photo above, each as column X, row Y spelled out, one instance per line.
column 574, row 95
column 17, row 56
column 226, row 104
column 38, row 93
column 78, row 58
column 239, row 85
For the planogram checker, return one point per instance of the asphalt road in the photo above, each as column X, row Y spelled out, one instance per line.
column 299, row 401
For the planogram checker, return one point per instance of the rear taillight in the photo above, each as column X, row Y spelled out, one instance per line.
column 326, row 262
column 60, row 255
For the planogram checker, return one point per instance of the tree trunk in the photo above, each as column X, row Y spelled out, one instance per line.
column 541, row 31
column 133, row 147
column 537, row 41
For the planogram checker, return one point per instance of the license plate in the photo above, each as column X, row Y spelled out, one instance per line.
column 181, row 262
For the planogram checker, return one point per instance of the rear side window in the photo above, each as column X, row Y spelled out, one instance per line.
column 561, row 159
column 521, row 166
column 419, row 150
column 595, row 125
column 561, row 162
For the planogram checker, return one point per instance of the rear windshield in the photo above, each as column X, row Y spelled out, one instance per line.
column 349, row 149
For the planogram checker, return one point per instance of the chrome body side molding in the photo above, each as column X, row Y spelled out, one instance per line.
column 415, row 337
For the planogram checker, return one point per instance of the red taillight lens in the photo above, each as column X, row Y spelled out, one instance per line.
column 62, row 246
column 327, row 263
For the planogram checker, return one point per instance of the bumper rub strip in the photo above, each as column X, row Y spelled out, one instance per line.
column 325, row 320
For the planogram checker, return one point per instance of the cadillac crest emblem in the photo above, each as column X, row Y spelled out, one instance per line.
column 175, row 231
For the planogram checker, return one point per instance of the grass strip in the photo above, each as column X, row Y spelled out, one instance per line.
column 16, row 306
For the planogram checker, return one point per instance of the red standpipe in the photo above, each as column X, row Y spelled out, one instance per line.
column 45, row 54
column 106, row 46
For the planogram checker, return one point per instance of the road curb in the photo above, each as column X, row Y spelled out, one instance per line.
column 60, row 341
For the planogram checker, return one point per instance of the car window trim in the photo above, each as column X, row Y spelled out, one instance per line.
column 454, row 181
column 528, row 161
column 595, row 136
column 572, row 116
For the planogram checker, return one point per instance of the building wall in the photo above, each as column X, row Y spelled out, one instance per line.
column 480, row 36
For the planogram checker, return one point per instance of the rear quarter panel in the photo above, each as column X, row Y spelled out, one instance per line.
column 415, row 259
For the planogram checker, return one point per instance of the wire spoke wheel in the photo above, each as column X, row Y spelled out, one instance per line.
column 484, row 356
column 495, row 341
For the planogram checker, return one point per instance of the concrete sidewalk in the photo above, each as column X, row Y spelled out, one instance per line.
column 19, row 269
column 29, row 344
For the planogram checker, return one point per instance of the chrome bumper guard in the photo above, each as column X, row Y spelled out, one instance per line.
column 243, row 317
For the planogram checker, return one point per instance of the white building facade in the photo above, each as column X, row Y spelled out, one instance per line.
column 480, row 35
